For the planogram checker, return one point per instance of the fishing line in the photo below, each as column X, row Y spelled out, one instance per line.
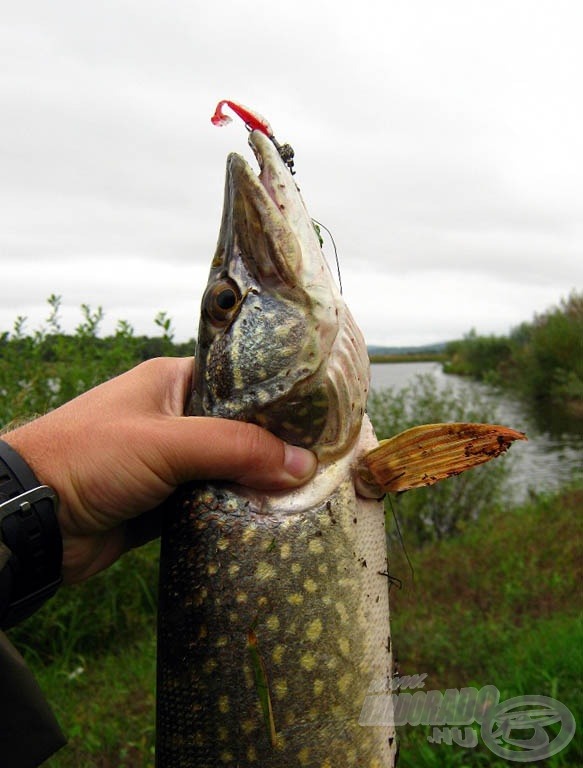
column 400, row 537
column 335, row 252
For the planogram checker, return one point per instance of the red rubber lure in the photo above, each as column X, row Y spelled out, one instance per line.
column 252, row 120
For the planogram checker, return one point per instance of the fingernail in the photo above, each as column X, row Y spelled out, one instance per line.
column 299, row 462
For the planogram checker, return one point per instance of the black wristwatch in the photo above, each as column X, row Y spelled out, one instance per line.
column 30, row 530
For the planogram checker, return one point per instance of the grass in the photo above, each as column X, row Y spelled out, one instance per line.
column 499, row 604
column 93, row 650
column 106, row 707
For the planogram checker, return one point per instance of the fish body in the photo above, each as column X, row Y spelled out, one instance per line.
column 274, row 614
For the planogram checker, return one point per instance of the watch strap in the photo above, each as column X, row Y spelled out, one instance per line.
column 30, row 529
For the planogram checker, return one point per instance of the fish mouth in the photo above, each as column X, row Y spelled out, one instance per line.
column 277, row 345
column 266, row 213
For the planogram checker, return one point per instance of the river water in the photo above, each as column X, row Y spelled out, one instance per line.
column 554, row 451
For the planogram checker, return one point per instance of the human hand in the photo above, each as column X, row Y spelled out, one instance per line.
column 120, row 450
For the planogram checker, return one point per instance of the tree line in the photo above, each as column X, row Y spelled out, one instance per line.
column 541, row 359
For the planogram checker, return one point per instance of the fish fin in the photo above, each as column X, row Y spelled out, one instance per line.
column 426, row 454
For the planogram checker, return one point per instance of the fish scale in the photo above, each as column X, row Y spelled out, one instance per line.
column 309, row 583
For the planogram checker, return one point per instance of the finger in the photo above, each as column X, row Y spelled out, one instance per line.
column 233, row 450
column 161, row 384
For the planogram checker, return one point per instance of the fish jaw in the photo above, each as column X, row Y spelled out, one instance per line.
column 284, row 352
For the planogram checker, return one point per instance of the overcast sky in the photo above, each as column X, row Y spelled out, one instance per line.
column 441, row 142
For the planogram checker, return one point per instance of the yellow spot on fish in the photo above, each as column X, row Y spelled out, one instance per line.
column 224, row 704
column 234, row 569
column 278, row 653
column 248, row 726
column 223, row 543
column 248, row 534
column 212, row 568
column 241, row 597
column 318, row 687
column 332, row 662
column 296, row 568
column 310, row 585
column 304, row 755
column 308, row 661
column 264, row 571
column 344, row 645
column 227, row 757
column 344, row 682
column 202, row 631
column 272, row 621
column 233, row 617
column 315, row 547
column 252, row 754
column 223, row 733
column 326, row 764
column 209, row 666
column 375, row 763
column 323, row 568
column 279, row 741
column 262, row 602
column 285, row 550
column 295, row 598
column 222, row 642
column 342, row 612
column 280, row 688
column 200, row 596
column 314, row 630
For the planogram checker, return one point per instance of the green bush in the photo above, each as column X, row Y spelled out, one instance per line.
column 42, row 370
column 542, row 360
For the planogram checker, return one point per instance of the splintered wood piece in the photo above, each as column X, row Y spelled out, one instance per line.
column 429, row 453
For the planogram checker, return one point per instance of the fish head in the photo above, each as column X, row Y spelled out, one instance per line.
column 277, row 345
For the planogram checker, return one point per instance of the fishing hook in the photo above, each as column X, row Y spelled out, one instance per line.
column 254, row 122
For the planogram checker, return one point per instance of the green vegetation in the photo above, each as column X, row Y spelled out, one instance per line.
column 542, row 360
column 42, row 370
column 499, row 605
column 410, row 357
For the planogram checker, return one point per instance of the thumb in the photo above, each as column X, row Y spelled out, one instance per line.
column 204, row 447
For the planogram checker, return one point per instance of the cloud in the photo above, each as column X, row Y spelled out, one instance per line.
column 440, row 142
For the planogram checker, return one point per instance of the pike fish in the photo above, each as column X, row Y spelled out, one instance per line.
column 274, row 607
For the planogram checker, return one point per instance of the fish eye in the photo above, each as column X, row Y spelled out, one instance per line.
column 221, row 301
